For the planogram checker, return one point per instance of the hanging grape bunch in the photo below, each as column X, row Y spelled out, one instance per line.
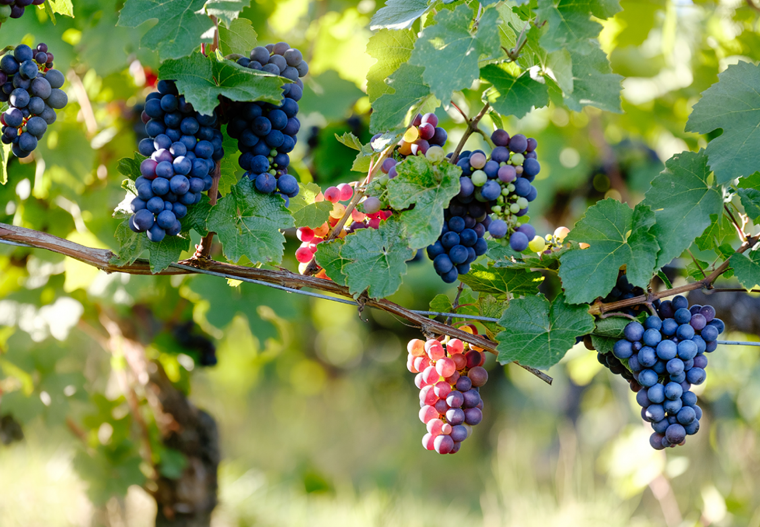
column 666, row 356
column 183, row 147
column 33, row 92
column 266, row 133
column 15, row 8
column 449, row 376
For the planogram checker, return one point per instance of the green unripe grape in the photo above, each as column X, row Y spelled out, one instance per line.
column 517, row 159
column 496, row 208
column 435, row 154
column 537, row 244
column 273, row 152
column 522, row 203
column 273, row 172
column 514, row 208
column 511, row 187
column 479, row 195
column 479, row 178
column 5, row 12
column 505, row 192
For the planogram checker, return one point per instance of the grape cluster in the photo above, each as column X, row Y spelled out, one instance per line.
column 33, row 91
column 183, row 147
column 449, row 376
column 189, row 336
column 666, row 356
column 266, row 133
column 421, row 135
column 503, row 183
column 624, row 290
column 10, row 430
column 15, row 8
column 311, row 238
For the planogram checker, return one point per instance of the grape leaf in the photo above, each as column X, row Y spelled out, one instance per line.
column 229, row 169
column 733, row 105
column 166, row 252
column 719, row 230
column 610, row 327
column 569, row 24
column 683, row 201
column 593, row 83
column 238, row 37
column 248, row 224
column 697, row 272
column 131, row 167
column 408, row 91
column 227, row 11
column 604, row 344
column 750, row 198
column 306, row 212
column 617, row 236
column 443, row 304
column 61, row 7
column 537, row 333
column 131, row 245
column 377, row 259
column 5, row 156
column 747, row 268
column 429, row 188
column 449, row 53
column 181, row 26
column 511, row 95
column 197, row 216
column 398, row 14
column 493, row 307
column 201, row 80
column 329, row 258
column 501, row 281
column 391, row 49
column 350, row 140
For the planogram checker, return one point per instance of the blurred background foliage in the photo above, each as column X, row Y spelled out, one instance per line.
column 317, row 413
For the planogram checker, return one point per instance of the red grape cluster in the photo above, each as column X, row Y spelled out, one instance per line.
column 449, row 376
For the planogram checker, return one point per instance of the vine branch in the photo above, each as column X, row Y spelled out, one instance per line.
column 101, row 259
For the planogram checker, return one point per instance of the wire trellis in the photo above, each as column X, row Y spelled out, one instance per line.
column 345, row 301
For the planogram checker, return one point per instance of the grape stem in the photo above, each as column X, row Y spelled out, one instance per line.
column 704, row 275
column 291, row 282
column 599, row 307
column 739, row 230
column 455, row 305
column 472, row 126
column 203, row 249
column 358, row 195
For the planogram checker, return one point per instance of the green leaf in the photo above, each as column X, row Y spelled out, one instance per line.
column 229, row 168
column 131, row 245
column 502, row 281
column 683, row 200
column 248, row 224
column 493, row 307
column 377, row 259
column 227, row 11
column 694, row 271
column 719, row 230
column 391, row 49
column 5, row 156
column 306, row 212
column 398, row 14
column 442, row 304
column 747, row 268
column 617, row 236
column 593, row 82
column 329, row 258
column 665, row 279
column 201, row 80
column 569, row 24
column 172, row 463
column 181, row 26
column 750, row 198
column 350, row 140
column 603, row 344
column 512, row 95
column 611, row 327
column 449, row 52
column 537, row 333
column 131, row 167
column 733, row 105
column 407, row 92
column 197, row 216
column 238, row 37
column 429, row 188
column 166, row 252
column 61, row 7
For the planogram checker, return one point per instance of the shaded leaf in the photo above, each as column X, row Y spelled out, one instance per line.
column 238, row 37
column 502, row 281
column 227, row 11
column 747, row 268
column 569, row 24
column 593, row 82
column 306, row 212
column 513, row 95
column 407, row 92
column 329, row 258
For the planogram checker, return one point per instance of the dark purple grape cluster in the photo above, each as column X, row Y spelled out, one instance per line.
column 182, row 149
column 503, row 182
column 624, row 290
column 665, row 357
column 15, row 8
column 189, row 336
column 267, row 133
column 33, row 92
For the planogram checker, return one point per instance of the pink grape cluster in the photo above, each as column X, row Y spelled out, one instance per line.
column 449, row 376
column 311, row 238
